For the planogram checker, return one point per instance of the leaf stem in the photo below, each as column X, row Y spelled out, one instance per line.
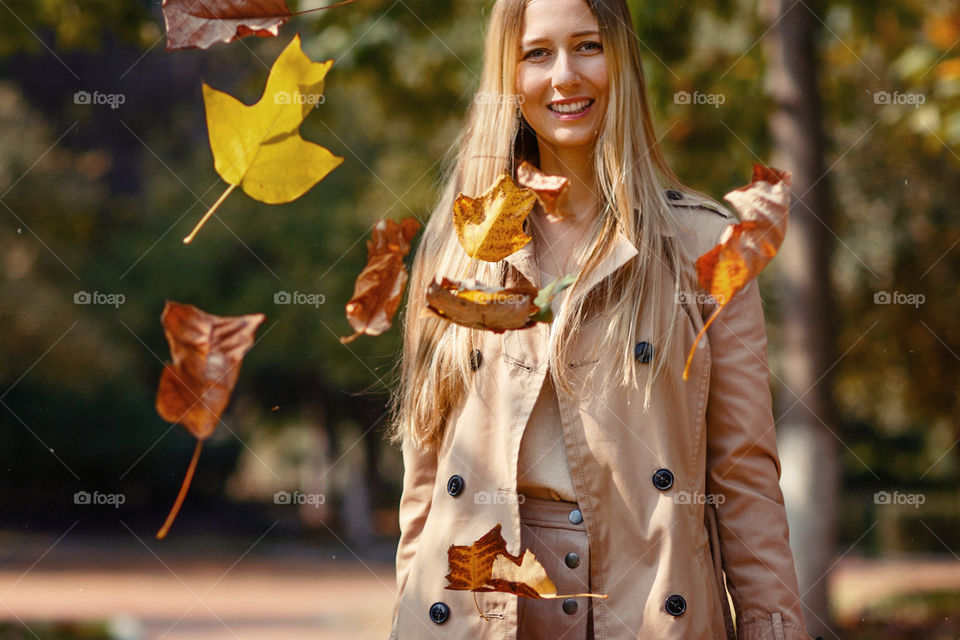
column 686, row 369
column 329, row 6
column 183, row 492
column 209, row 213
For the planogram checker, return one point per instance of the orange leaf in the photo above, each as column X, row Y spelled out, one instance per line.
column 747, row 247
column 490, row 227
column 479, row 307
column 380, row 285
column 207, row 352
column 552, row 191
column 486, row 565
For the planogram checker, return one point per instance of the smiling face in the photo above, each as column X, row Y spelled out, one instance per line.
column 562, row 74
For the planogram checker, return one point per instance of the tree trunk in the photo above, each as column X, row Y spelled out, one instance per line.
column 806, row 424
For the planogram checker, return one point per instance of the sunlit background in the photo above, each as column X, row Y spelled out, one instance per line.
column 96, row 195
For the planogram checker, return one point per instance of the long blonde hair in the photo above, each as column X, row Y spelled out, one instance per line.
column 631, row 172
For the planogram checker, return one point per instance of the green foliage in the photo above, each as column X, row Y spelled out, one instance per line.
column 403, row 78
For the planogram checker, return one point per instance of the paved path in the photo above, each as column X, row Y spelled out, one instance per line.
column 249, row 590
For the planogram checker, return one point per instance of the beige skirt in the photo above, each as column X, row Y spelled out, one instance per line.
column 554, row 531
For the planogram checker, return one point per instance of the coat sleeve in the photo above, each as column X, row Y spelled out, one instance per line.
column 743, row 473
column 419, row 477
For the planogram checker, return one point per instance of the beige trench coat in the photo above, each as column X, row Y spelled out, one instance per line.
column 666, row 495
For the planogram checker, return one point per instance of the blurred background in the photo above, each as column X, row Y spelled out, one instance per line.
column 290, row 526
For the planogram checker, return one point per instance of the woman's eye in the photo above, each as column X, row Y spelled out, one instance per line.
column 534, row 53
column 592, row 46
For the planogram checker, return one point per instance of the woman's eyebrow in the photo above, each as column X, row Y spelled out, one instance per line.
column 578, row 34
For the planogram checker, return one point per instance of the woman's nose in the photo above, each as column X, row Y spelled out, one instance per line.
column 565, row 74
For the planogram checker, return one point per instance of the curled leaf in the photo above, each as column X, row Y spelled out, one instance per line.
column 194, row 390
column 193, row 24
column 477, row 306
column 200, row 23
column 552, row 191
column 747, row 247
column 207, row 352
column 486, row 565
column 490, row 227
column 379, row 287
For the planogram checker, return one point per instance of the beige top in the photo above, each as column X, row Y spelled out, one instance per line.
column 542, row 469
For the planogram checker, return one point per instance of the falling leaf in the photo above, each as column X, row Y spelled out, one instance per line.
column 259, row 146
column 475, row 305
column 546, row 296
column 201, row 23
column 486, row 565
column 491, row 227
column 745, row 248
column 192, row 24
column 552, row 191
column 380, row 285
column 194, row 390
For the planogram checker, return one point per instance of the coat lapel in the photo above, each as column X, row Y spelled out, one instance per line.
column 523, row 260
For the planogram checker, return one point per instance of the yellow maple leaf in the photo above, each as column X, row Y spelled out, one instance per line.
column 258, row 147
column 491, row 227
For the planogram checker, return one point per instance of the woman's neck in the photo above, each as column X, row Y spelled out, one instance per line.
column 577, row 166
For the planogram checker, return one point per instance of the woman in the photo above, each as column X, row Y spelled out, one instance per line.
column 580, row 437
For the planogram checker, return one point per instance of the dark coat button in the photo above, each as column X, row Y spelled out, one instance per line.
column 455, row 485
column 572, row 560
column 676, row 605
column 575, row 516
column 663, row 479
column 674, row 194
column 643, row 352
column 476, row 359
column 439, row 612
column 570, row 606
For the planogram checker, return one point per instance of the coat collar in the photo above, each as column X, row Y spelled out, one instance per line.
column 524, row 261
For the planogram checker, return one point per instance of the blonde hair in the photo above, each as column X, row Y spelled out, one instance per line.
column 628, row 165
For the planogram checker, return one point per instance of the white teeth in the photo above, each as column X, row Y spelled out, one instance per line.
column 571, row 107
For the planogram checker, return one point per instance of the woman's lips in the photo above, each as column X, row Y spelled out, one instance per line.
column 571, row 110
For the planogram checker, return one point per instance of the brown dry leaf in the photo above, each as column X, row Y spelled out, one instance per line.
column 747, row 247
column 379, row 287
column 552, row 191
column 193, row 24
column 486, row 565
column 477, row 306
column 490, row 227
column 207, row 352
column 200, row 23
